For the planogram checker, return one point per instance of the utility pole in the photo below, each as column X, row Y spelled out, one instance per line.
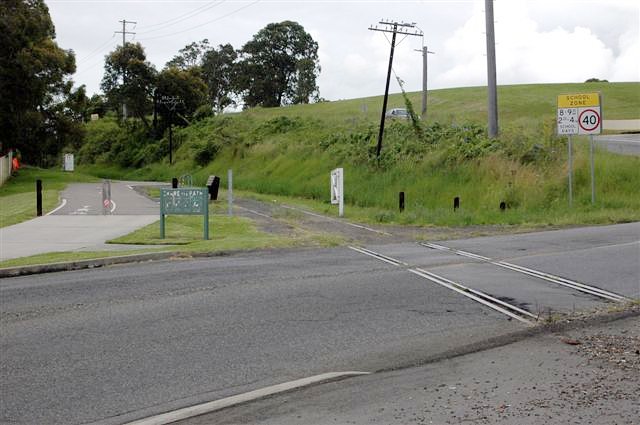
column 491, row 71
column 394, row 28
column 170, row 102
column 124, row 33
column 424, row 51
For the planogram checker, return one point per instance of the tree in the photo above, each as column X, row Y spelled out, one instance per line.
column 34, row 80
column 218, row 70
column 189, row 56
column 279, row 66
column 185, row 85
column 129, row 79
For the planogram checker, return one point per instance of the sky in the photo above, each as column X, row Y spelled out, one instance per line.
column 537, row 41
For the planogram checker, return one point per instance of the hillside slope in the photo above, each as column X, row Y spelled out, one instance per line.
column 290, row 151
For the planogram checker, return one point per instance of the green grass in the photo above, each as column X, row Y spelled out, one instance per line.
column 18, row 194
column 225, row 233
column 64, row 257
column 184, row 236
column 290, row 151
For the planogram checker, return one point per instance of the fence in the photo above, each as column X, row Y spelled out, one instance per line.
column 5, row 167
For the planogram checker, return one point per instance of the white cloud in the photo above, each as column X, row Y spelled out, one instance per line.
column 525, row 53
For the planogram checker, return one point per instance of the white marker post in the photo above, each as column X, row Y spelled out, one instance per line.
column 580, row 114
column 230, row 191
column 337, row 190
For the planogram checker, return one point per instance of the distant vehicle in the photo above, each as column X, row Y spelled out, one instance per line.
column 398, row 113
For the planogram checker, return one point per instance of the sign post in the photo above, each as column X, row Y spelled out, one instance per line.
column 580, row 114
column 187, row 201
column 337, row 189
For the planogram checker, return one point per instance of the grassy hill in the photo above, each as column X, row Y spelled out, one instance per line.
column 290, row 151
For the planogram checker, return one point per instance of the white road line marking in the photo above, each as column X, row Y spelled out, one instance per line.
column 212, row 406
column 437, row 279
column 592, row 290
column 376, row 256
column 255, row 212
column 59, row 207
column 338, row 221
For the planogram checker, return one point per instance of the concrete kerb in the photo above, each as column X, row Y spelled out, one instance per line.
column 83, row 264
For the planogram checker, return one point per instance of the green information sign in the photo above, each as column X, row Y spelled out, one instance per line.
column 184, row 201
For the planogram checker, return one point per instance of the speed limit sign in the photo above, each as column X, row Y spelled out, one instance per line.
column 579, row 114
column 589, row 121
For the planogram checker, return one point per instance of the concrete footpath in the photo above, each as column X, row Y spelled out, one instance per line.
column 78, row 223
column 582, row 376
column 57, row 233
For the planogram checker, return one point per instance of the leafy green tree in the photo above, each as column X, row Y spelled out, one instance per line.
column 97, row 104
column 189, row 56
column 129, row 79
column 34, row 81
column 279, row 66
column 219, row 72
column 185, row 86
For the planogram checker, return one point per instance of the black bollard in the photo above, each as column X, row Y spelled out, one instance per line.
column 456, row 203
column 39, row 198
column 174, row 183
column 401, row 201
column 503, row 206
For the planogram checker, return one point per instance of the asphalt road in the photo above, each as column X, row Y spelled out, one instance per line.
column 126, row 342
column 129, row 341
column 541, row 380
column 626, row 144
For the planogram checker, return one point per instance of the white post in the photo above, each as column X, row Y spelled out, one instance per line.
column 230, row 191
column 337, row 189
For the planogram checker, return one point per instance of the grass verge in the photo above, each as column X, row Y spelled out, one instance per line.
column 18, row 194
column 184, row 235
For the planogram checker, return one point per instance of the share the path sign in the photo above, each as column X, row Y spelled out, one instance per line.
column 579, row 113
column 189, row 201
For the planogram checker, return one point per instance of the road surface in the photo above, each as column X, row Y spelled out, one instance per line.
column 121, row 343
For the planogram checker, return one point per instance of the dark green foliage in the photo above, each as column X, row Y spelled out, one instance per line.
column 34, row 83
column 279, row 66
column 130, row 79
column 109, row 143
column 204, row 153
column 187, row 86
column 190, row 56
column 219, row 73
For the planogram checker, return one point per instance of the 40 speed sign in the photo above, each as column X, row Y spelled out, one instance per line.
column 579, row 114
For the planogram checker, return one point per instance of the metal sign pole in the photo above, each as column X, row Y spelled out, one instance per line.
column 570, row 173
column 593, row 173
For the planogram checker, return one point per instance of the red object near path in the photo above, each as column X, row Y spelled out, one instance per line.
column 15, row 164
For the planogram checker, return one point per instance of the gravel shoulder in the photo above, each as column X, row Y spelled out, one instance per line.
column 584, row 376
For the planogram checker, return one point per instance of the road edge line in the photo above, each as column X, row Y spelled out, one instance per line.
column 212, row 406
column 62, row 204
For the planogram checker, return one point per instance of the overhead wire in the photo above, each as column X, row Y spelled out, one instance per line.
column 202, row 24
column 185, row 17
column 191, row 12
column 95, row 51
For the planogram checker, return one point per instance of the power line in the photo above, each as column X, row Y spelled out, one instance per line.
column 193, row 13
column 96, row 50
column 203, row 24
